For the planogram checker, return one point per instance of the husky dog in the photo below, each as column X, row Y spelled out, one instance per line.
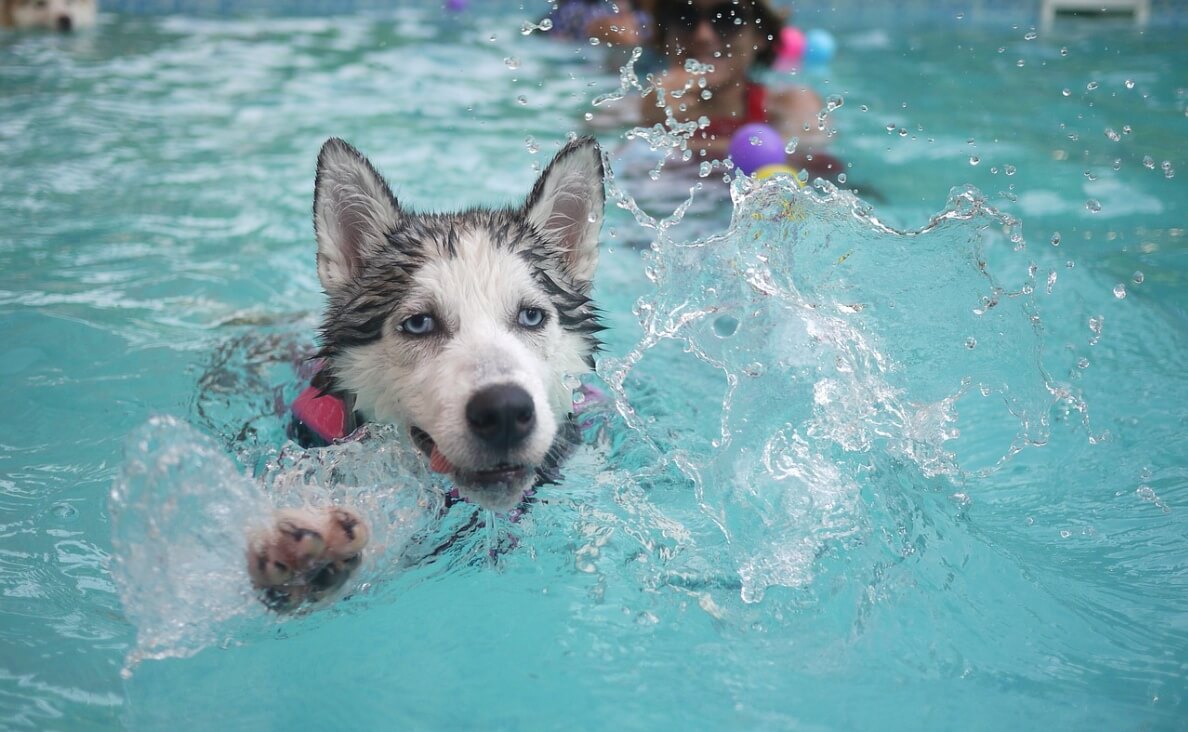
column 62, row 15
column 465, row 329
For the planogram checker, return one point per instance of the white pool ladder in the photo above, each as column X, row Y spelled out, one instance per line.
column 1141, row 9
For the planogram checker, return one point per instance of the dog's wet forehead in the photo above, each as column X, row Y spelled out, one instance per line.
column 481, row 276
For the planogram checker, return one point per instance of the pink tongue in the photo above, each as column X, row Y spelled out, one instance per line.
column 439, row 463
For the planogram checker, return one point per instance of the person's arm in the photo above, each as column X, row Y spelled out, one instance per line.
column 796, row 112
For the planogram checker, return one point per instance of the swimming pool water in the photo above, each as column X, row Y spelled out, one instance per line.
column 913, row 462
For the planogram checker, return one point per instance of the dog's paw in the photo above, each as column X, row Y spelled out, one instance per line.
column 306, row 555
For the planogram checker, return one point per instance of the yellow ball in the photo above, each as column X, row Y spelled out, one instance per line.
column 767, row 171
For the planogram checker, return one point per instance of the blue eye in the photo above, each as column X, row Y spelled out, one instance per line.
column 419, row 324
column 531, row 317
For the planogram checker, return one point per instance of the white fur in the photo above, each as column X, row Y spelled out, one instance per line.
column 564, row 213
column 353, row 210
column 475, row 295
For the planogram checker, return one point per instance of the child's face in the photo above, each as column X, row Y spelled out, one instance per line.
column 717, row 32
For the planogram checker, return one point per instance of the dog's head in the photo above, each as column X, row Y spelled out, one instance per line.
column 467, row 329
column 62, row 15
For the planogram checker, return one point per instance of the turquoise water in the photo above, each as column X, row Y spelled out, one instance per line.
column 915, row 460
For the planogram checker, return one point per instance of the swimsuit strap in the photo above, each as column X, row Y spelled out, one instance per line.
column 756, row 103
column 755, row 99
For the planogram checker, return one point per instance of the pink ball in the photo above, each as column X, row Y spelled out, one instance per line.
column 756, row 145
column 793, row 44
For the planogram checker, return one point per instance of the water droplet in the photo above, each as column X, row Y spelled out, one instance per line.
column 1051, row 280
column 1064, row 534
column 1126, row 130
column 1120, row 291
column 1130, row 83
column 971, row 343
column 1096, row 323
column 725, row 326
column 1091, row 86
column 1056, row 239
column 1019, row 63
column 1063, row 50
column 754, row 369
column 1066, row 92
column 974, row 160
column 1093, row 205
column 705, row 169
column 1137, row 277
column 532, row 145
column 903, row 132
column 834, row 101
column 1148, row 162
column 522, row 100
column 1168, row 172
column 511, row 62
column 544, row 25
column 841, row 178
column 64, row 512
column 864, row 108
column 1008, row 169
column 1030, row 36
column 791, row 146
column 1110, row 133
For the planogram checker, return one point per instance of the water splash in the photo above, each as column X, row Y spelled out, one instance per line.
column 790, row 366
column 839, row 347
column 181, row 513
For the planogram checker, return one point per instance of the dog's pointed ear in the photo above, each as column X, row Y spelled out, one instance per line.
column 353, row 212
column 566, row 206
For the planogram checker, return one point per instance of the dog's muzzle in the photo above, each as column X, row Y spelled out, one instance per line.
column 500, row 418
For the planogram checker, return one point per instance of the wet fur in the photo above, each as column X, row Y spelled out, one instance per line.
column 475, row 273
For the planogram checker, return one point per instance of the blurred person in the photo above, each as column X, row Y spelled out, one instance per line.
column 739, row 40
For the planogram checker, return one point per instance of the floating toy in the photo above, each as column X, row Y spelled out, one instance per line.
column 770, row 171
column 756, row 145
column 791, row 48
column 820, row 47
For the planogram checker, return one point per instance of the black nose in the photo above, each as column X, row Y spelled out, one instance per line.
column 501, row 415
column 64, row 23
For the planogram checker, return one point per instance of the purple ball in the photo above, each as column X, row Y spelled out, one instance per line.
column 756, row 145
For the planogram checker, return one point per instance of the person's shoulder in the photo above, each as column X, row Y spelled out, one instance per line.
column 795, row 101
